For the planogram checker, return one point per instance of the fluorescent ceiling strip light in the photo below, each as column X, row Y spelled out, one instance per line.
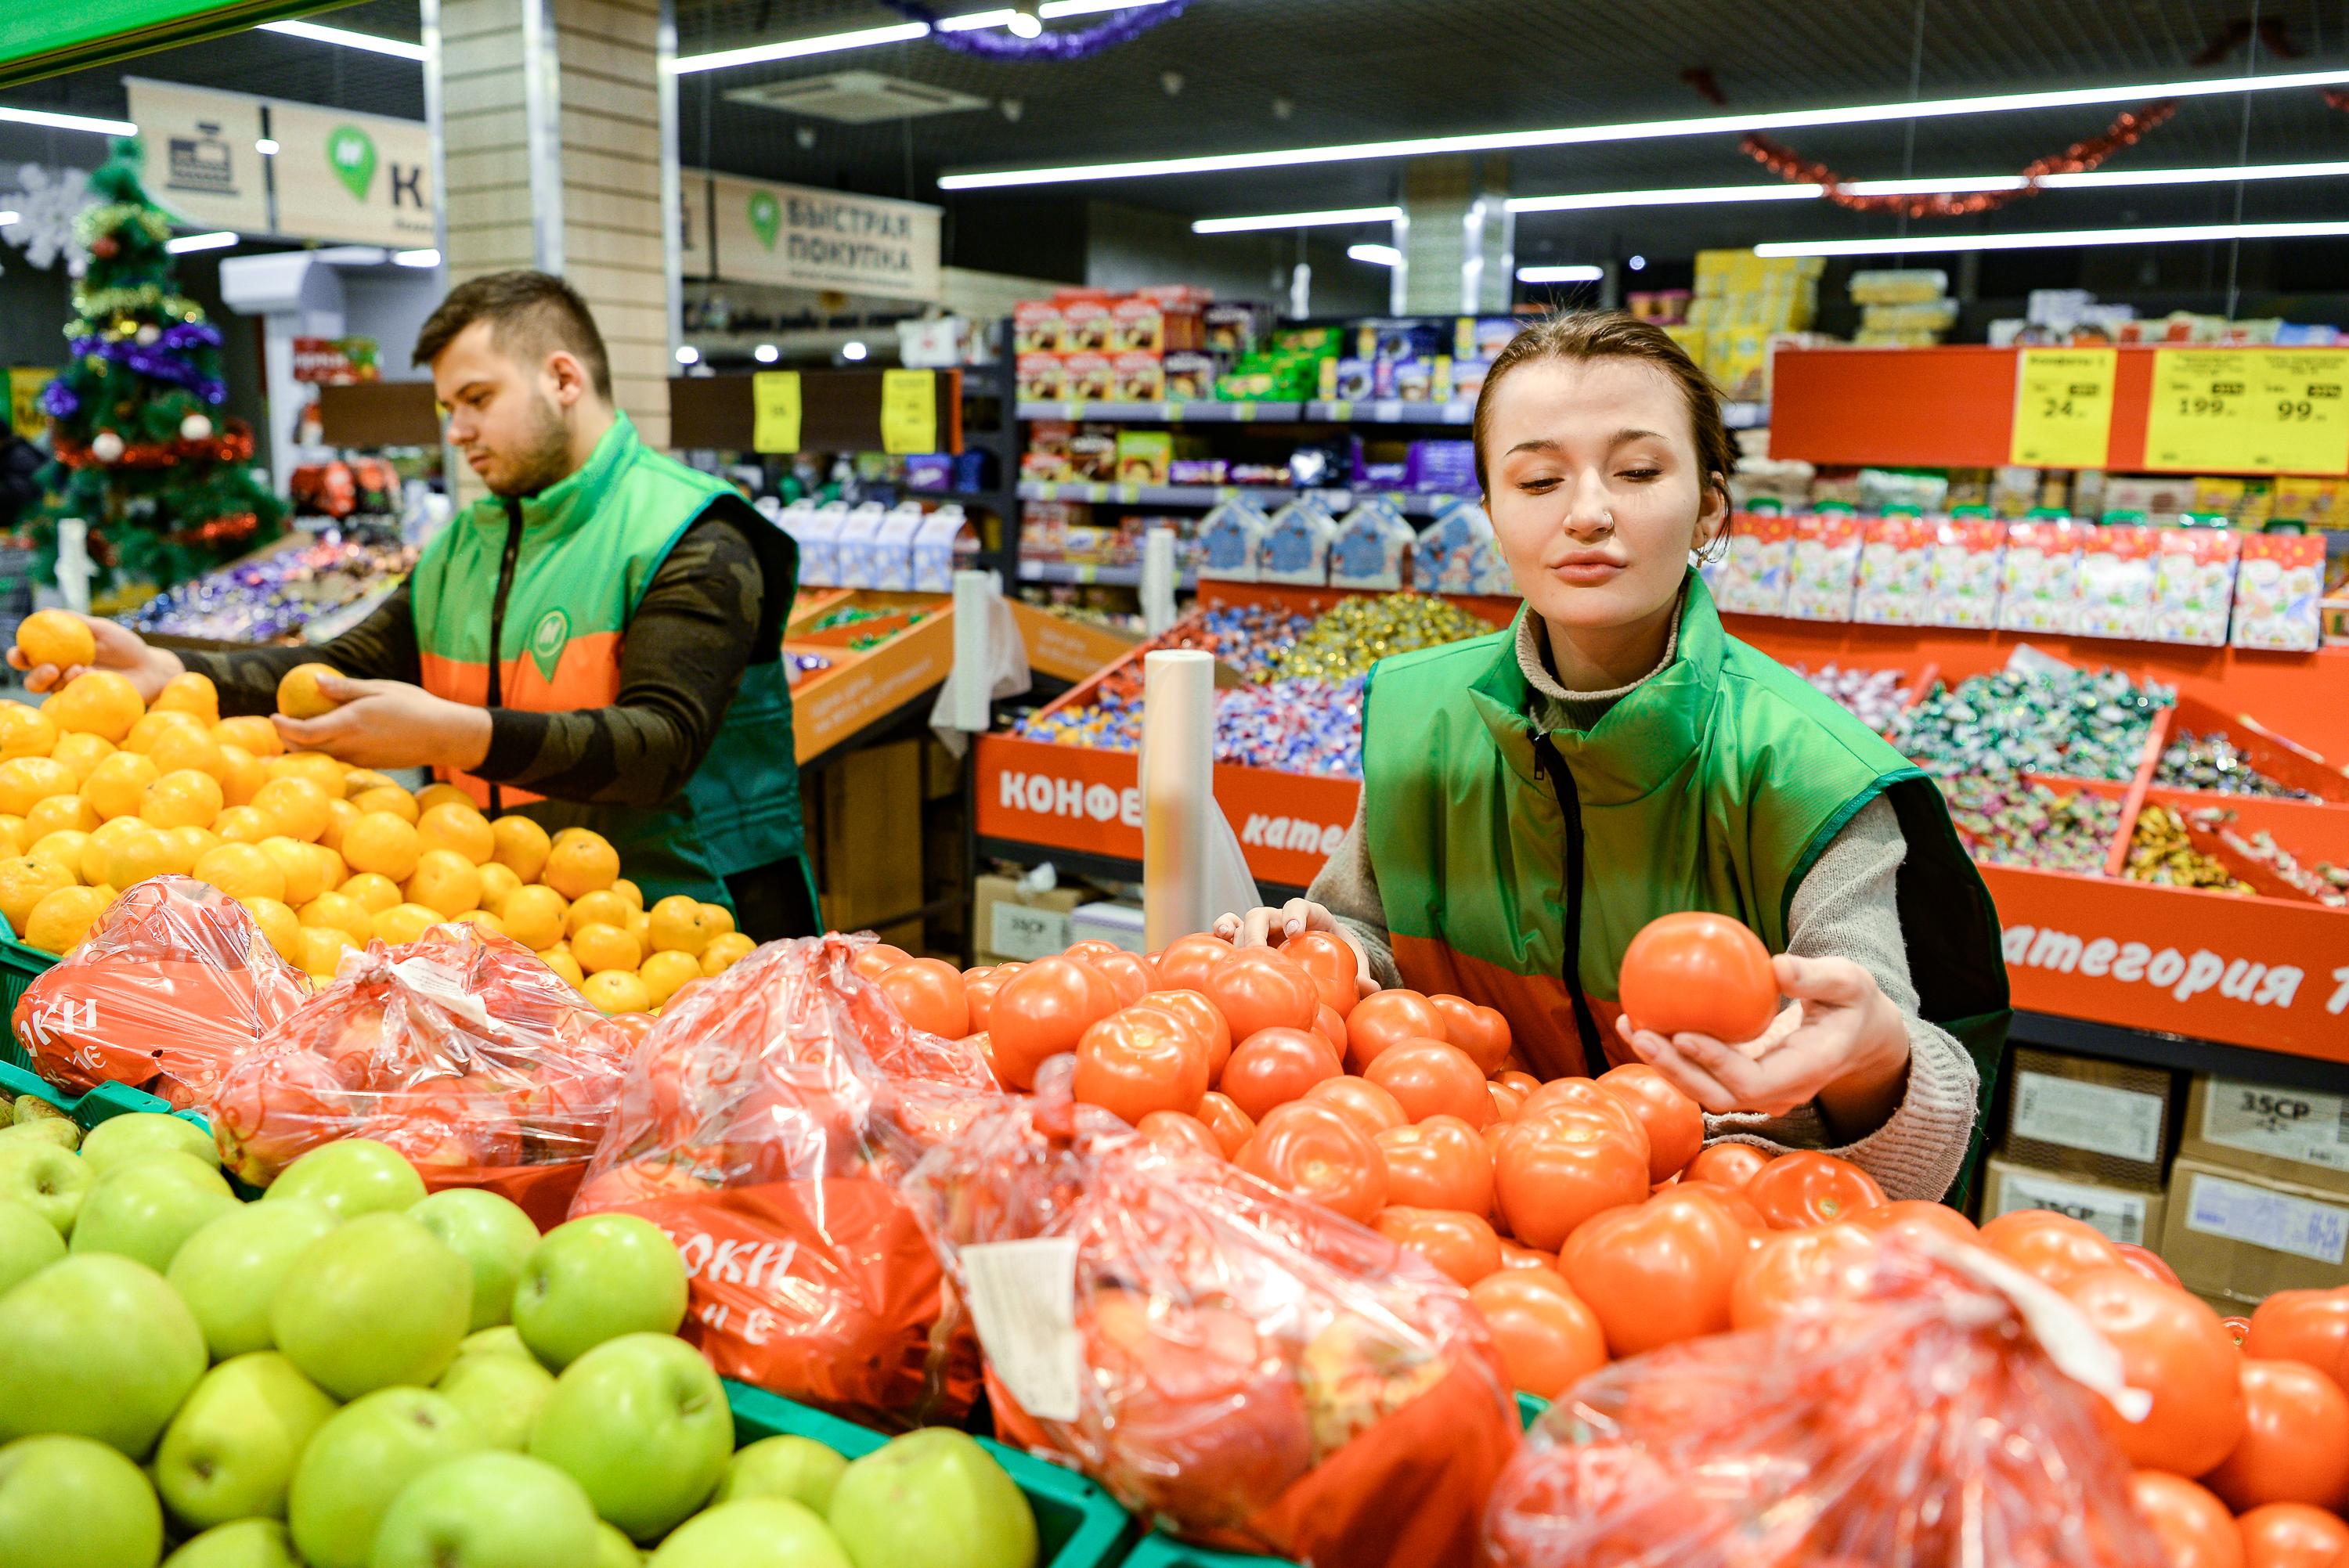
column 372, row 42
column 794, row 49
column 1053, row 10
column 8, row 218
column 975, row 20
column 1642, row 130
column 1377, row 255
column 2196, row 176
column 2093, row 179
column 218, row 240
column 1579, row 275
column 426, row 257
column 1263, row 221
column 1682, row 196
column 49, row 121
column 1932, row 245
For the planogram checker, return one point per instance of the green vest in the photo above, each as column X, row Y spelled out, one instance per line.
column 587, row 549
column 1714, row 785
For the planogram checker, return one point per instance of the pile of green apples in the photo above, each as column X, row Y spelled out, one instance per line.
column 348, row 1373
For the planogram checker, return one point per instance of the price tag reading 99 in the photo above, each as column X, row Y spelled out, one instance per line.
column 2306, row 413
column 2249, row 411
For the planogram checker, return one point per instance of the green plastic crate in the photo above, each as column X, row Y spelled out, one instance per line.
column 103, row 1103
column 19, row 967
column 1078, row 1525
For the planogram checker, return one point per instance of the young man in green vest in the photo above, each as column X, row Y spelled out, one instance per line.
column 634, row 604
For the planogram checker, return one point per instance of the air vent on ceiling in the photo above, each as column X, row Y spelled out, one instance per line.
column 855, row 97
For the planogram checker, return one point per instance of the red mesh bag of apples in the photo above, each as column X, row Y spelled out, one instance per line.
column 764, row 1124
column 462, row 1049
column 172, row 984
column 1940, row 1415
column 1241, row 1367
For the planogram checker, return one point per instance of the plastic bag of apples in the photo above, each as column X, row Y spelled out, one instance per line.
column 172, row 984
column 763, row 1125
column 462, row 1049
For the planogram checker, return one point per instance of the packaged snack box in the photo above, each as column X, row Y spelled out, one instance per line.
column 1967, row 557
column 1296, row 545
column 1228, row 537
column 1895, row 570
column 1369, row 547
column 1754, row 577
column 2193, row 584
column 2039, row 583
column 1821, row 569
column 2116, row 570
column 2277, row 588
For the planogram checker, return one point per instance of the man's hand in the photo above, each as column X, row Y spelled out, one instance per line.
column 120, row 649
column 390, row 723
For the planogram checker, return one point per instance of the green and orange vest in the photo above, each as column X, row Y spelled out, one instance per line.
column 585, row 551
column 1714, row 785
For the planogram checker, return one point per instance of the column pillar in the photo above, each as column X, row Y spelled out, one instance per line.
column 1457, row 237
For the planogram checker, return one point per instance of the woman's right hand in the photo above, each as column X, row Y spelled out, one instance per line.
column 120, row 649
column 1267, row 927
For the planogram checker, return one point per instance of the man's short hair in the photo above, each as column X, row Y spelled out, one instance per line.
column 529, row 312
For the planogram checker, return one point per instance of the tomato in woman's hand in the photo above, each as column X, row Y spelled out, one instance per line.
column 1260, row 989
column 2295, row 1441
column 1187, row 961
column 2173, row 1347
column 1332, row 1028
column 1460, row 1245
column 1232, row 1125
column 1176, row 1129
column 1797, row 1271
column 1206, row 1023
column 928, row 994
column 1273, row 1066
column 1336, row 973
column 2051, row 1248
column 1807, row 1188
column 1439, row 1163
column 1911, row 1218
column 1428, row 1078
column 1315, row 1152
column 1548, row 1337
column 980, row 988
column 1479, row 1030
column 1658, row 1272
column 1373, row 1108
column 1699, row 974
column 1674, row 1122
column 2308, row 1326
column 1043, row 1011
column 1386, row 1018
column 1554, row 1171
column 2292, row 1535
column 2148, row 1263
column 2194, row 1528
column 1583, row 1094
column 1140, row 1059
column 878, row 959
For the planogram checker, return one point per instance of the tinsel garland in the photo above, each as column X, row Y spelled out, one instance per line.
column 2126, row 130
column 155, row 364
column 233, row 444
column 1000, row 44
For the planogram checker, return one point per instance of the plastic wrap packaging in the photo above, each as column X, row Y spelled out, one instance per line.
column 1240, row 1368
column 462, row 1049
column 763, row 1126
column 1941, row 1417
column 172, row 984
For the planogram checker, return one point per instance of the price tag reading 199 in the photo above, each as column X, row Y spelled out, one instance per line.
column 2250, row 410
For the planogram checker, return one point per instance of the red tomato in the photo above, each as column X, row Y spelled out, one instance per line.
column 1656, row 1274
column 1232, row 1125
column 928, row 994
column 1516, row 1259
column 1556, row 1170
column 1698, row 973
column 1332, row 1028
column 1583, row 1094
column 1549, row 1339
column 1373, row 1108
column 1187, row 961
column 1273, row 1066
column 2172, row 1347
column 2292, row 1535
column 2295, row 1443
column 1807, row 1188
column 2308, row 1326
column 1461, row 1245
column 1739, row 1206
column 1386, row 1018
column 2194, row 1528
column 1140, row 1059
column 1797, row 1270
column 1177, row 1130
column 1507, row 1102
column 1128, row 974
column 1206, row 1024
column 1674, row 1122
column 1911, row 1218
column 1480, row 1031
column 1043, row 1011
column 2051, row 1248
column 2239, row 1329
column 1428, row 1078
column 1525, row 1083
column 1730, row 1165
column 979, row 987
column 878, row 960
column 1440, row 1163
column 1315, row 1153
column 985, row 1043
column 2147, row 1264
column 1332, row 964
column 1260, row 989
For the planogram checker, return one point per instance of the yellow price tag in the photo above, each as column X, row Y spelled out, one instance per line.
column 775, row 411
column 909, row 411
column 2302, row 392
column 2064, row 408
column 2249, row 410
column 26, row 384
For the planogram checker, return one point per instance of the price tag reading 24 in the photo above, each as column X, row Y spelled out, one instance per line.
column 2062, row 407
column 2249, row 410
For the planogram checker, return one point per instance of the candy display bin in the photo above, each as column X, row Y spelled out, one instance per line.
column 862, row 686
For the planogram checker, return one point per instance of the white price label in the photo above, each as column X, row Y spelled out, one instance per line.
column 2276, row 1221
column 1023, row 1302
column 2284, row 1124
column 2121, row 1122
column 2118, row 1214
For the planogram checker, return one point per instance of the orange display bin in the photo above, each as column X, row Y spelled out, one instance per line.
column 865, row 686
column 1065, row 649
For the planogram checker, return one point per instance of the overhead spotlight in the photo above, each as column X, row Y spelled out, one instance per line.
column 1024, row 23
column 688, row 354
column 266, row 147
column 852, row 351
column 1012, row 109
column 805, row 136
column 1283, row 108
column 1637, row 263
column 1172, row 81
column 765, row 353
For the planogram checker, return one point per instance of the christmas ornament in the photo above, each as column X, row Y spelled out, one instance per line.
column 148, row 336
column 104, row 247
column 45, row 205
column 195, row 427
column 106, row 447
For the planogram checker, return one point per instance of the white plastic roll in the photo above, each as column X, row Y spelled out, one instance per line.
column 1178, row 793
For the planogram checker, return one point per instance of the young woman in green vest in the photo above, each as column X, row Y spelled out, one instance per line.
column 596, row 643
column 1531, row 799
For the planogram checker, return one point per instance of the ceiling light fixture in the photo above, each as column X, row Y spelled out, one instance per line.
column 425, row 257
column 2052, row 238
column 1637, row 263
column 1271, row 220
column 794, row 48
column 217, row 240
column 1642, row 130
column 688, row 354
column 2099, row 179
column 765, row 353
column 852, row 350
column 49, row 121
column 351, row 255
column 266, row 147
column 8, row 218
column 1377, row 255
column 1579, row 275
column 374, row 44
column 1025, row 24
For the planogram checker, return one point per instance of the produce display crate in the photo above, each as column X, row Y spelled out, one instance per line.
column 866, row 685
column 19, row 967
column 1078, row 1525
column 104, row 1103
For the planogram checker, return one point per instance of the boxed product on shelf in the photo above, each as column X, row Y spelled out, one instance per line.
column 1234, row 326
column 816, row 527
column 1144, row 322
column 1190, row 375
column 1085, row 322
column 1902, row 285
column 2245, row 503
column 1348, row 380
column 2306, row 499
column 1458, row 553
column 1092, row 455
column 1044, row 526
column 1090, row 376
column 931, row 471
column 2123, row 1213
column 892, row 548
column 1484, row 336
column 2278, row 585
column 1441, row 468
column 1199, row 471
column 2193, row 584
column 1895, row 582
column 1108, row 920
column 2109, row 1121
column 2236, row 1235
column 2294, row 1135
column 2158, row 498
column 1138, row 375
column 1037, row 328
column 1903, row 490
column 1370, row 548
column 1147, row 457
column 1821, row 568
column 944, row 541
column 1414, row 380
column 2039, row 584
column 1753, row 574
column 1968, row 556
column 858, row 532
column 1228, row 539
column 1467, row 379
column 1042, row 378
column 1295, row 547
column 2115, row 581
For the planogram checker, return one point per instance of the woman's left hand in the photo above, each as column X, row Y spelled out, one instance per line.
column 1850, row 1052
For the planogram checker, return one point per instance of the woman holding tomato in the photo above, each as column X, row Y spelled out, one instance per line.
column 1532, row 798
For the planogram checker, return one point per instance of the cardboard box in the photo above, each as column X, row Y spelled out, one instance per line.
column 2123, row 1213
column 2107, row 1121
column 2295, row 1134
column 1118, row 923
column 2240, row 1236
column 1009, row 925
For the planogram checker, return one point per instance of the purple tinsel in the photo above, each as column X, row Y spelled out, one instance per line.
column 156, row 363
column 57, row 401
column 189, row 335
column 999, row 43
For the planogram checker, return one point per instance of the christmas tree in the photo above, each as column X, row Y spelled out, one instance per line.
column 140, row 454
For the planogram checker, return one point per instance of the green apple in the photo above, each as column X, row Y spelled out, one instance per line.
column 53, row 1132
column 937, row 1498
column 68, row 1502
column 228, row 1272
column 797, row 1467
column 377, row 1302
column 247, row 1543
column 357, row 1176
column 231, row 1450
column 502, row 1393
column 641, row 1422
column 488, row 1511
column 361, row 1459
column 595, row 1279
column 145, row 1208
column 488, row 1232
column 28, row 1243
column 121, row 1138
column 755, row 1532
column 502, row 1340
column 615, row 1550
column 53, row 1180
column 98, row 1345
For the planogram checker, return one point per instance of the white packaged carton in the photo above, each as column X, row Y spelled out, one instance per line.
column 945, row 535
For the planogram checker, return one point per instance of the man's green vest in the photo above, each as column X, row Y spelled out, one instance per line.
column 1714, row 784
column 587, row 549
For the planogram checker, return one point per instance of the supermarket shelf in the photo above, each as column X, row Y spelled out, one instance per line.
column 1392, row 411
column 2178, row 1052
column 1201, row 413
column 1086, row 574
column 1410, row 503
column 1318, row 411
column 1100, row 868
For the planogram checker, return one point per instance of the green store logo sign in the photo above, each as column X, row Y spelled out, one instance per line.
column 766, row 217
column 350, row 154
column 548, row 640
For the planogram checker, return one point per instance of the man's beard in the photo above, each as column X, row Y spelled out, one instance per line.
column 545, row 457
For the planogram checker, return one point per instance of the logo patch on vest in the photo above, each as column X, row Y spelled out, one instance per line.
column 548, row 640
